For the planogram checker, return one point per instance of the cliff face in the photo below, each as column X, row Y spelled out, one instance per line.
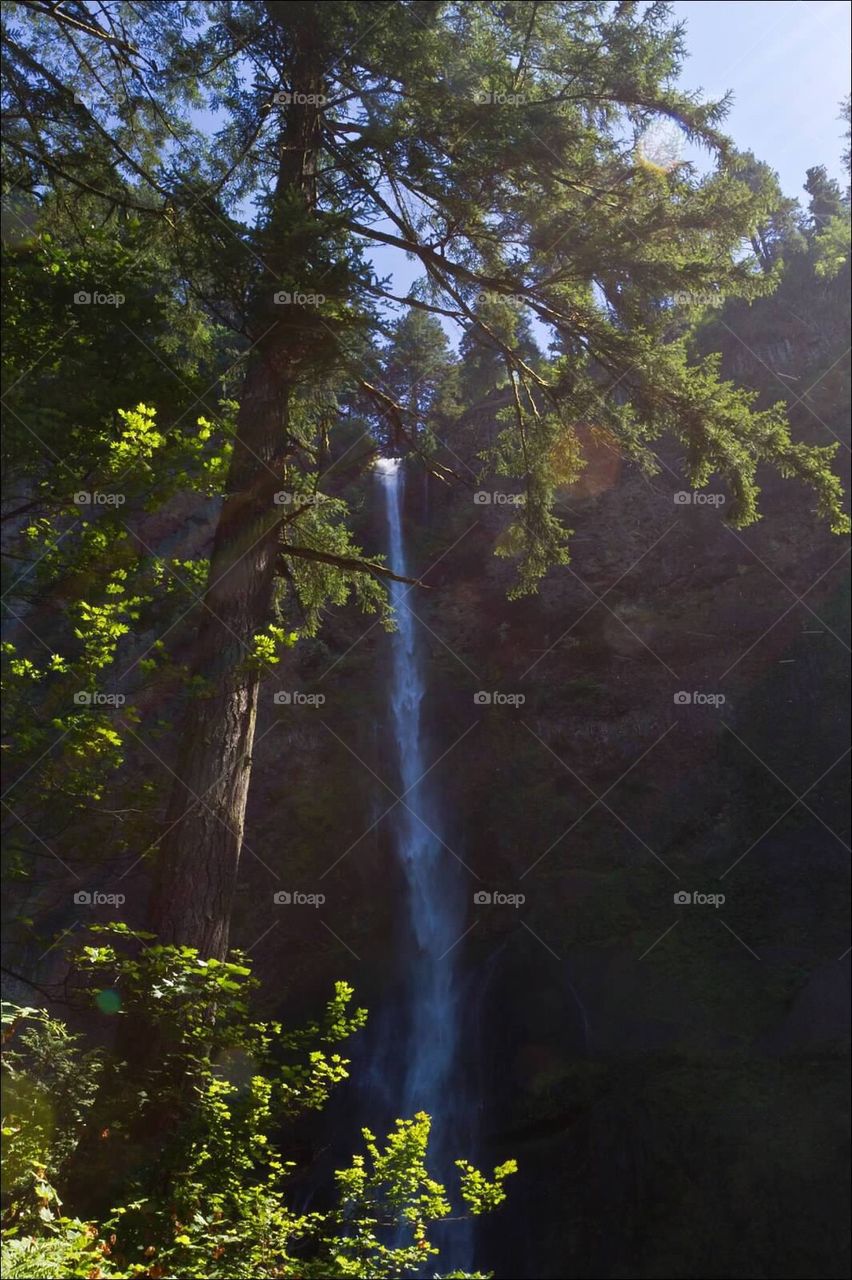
column 667, row 717
column 642, row 1057
column 670, row 1074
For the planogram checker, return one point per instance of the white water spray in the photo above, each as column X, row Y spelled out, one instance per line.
column 431, row 871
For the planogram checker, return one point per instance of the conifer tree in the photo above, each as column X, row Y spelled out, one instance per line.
column 527, row 152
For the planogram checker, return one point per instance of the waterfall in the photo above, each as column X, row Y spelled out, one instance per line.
column 429, row 1077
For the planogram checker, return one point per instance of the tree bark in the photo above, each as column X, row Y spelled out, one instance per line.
column 199, row 852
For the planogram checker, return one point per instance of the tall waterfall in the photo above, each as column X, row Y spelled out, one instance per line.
column 429, row 1078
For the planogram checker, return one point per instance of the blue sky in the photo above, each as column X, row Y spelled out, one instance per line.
column 788, row 65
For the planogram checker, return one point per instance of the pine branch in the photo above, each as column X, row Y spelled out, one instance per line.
column 352, row 564
column 89, row 28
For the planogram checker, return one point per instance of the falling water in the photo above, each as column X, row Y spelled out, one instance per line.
column 434, row 924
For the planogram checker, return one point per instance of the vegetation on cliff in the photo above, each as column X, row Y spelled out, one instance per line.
column 203, row 351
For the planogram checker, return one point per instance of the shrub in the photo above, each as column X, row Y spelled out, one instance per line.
column 189, row 1142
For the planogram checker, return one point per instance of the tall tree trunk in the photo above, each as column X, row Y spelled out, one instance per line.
column 200, row 849
column 199, row 853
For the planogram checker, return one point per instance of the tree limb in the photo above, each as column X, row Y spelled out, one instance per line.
column 352, row 563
